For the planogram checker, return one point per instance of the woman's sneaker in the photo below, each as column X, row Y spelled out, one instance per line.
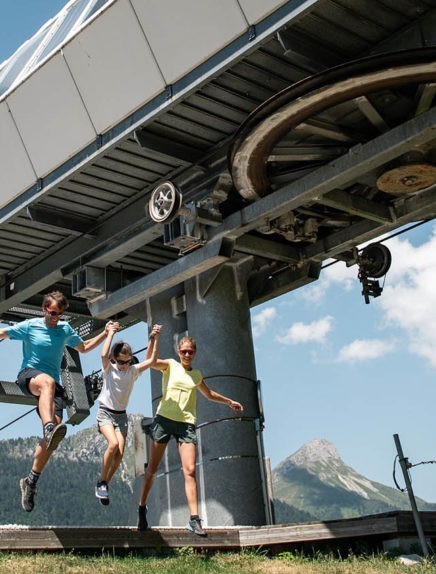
column 142, row 518
column 102, row 492
column 194, row 526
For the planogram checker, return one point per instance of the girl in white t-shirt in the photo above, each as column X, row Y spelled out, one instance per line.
column 119, row 374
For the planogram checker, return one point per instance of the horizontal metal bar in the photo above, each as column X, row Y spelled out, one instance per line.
column 357, row 205
column 207, row 257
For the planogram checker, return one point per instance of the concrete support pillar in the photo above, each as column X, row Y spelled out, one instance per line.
column 230, row 467
column 231, row 470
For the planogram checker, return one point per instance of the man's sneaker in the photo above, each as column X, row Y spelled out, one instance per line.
column 54, row 436
column 142, row 518
column 194, row 526
column 102, row 492
column 27, row 495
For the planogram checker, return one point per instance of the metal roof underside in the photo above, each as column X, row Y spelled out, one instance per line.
column 96, row 215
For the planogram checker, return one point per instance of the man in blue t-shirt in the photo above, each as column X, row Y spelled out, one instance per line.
column 44, row 340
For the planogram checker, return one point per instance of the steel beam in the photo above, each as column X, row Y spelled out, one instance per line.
column 182, row 154
column 357, row 205
column 415, row 208
column 298, row 49
column 207, row 257
column 56, row 219
column 41, row 276
column 427, row 95
column 289, row 152
column 268, row 249
column 114, row 238
column 271, row 286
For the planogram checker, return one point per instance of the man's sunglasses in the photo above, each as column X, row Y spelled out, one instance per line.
column 54, row 313
column 189, row 352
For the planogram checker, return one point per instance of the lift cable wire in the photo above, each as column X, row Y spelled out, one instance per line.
column 395, row 478
column 423, row 462
column 17, row 419
column 384, row 239
column 409, row 465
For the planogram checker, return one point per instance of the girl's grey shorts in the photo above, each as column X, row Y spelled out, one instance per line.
column 118, row 419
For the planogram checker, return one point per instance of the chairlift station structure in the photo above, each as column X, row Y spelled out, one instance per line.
column 182, row 162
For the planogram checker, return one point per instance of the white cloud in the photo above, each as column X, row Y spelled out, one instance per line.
column 262, row 320
column 338, row 275
column 364, row 350
column 307, row 332
column 408, row 301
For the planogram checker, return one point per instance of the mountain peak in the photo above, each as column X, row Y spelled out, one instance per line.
column 316, row 450
column 319, row 456
column 316, row 480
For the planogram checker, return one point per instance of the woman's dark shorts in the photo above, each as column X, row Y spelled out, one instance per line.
column 162, row 429
column 28, row 373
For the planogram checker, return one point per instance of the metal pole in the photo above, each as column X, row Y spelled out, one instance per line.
column 405, row 465
column 263, row 474
column 270, row 489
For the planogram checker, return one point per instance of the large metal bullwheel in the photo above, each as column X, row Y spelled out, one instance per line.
column 320, row 118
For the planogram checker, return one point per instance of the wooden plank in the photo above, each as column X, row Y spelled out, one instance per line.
column 381, row 527
column 406, row 521
column 56, row 538
column 328, row 530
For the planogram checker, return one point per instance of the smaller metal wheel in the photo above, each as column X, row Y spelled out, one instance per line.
column 165, row 202
column 375, row 260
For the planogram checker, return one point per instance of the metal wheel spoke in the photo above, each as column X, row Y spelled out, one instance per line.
column 426, row 94
column 371, row 113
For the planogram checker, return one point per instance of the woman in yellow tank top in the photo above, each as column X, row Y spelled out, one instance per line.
column 176, row 416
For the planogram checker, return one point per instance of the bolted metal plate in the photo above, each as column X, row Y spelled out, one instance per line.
column 406, row 179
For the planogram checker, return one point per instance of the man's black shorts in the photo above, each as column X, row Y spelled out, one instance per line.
column 28, row 373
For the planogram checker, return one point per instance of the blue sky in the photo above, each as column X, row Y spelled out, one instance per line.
column 331, row 366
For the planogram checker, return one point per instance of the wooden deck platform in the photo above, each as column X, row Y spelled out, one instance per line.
column 368, row 529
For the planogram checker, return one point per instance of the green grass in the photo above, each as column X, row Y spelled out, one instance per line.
column 186, row 561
